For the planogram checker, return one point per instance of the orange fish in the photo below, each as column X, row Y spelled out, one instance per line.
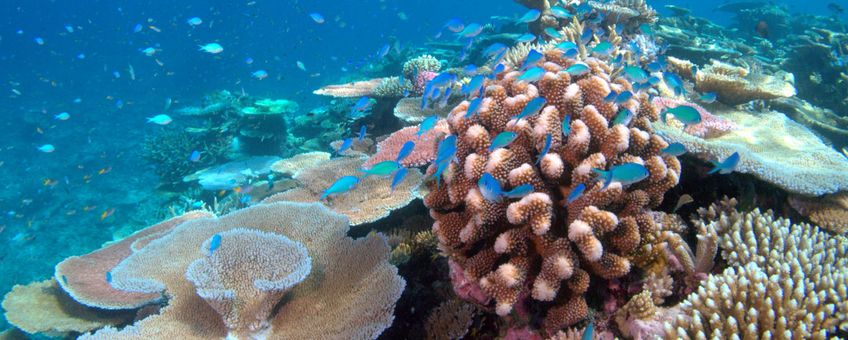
column 107, row 213
column 104, row 170
column 237, row 190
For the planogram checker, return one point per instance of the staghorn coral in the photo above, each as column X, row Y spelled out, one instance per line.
column 354, row 89
column 247, row 275
column 772, row 148
column 738, row 85
column 84, row 277
column 370, row 201
column 350, row 293
column 293, row 165
column 786, row 280
column 42, row 307
column 409, row 110
column 450, row 320
column 829, row 212
column 537, row 250
column 423, row 153
column 711, row 126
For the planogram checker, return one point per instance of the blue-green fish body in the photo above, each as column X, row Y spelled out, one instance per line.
column 491, row 189
column 383, row 168
column 589, row 332
column 566, row 46
column 532, row 74
column 340, row 186
column 399, row 176
column 727, row 166
column 405, row 150
column 576, row 193
column 546, row 148
column 426, row 125
column 552, row 32
column 109, row 277
column 627, row 173
column 560, row 12
column 474, row 85
column 473, row 107
column 531, row 16
column 603, row 48
column 502, row 140
column 532, row 108
column 532, row 58
column 446, row 150
column 214, row 243
column 578, row 69
column 646, row 29
column 635, row 74
column 686, row 114
column 674, row 149
column 440, row 168
column 709, row 97
column 345, row 145
column 566, row 125
column 525, row 38
column 623, row 97
column 623, row 117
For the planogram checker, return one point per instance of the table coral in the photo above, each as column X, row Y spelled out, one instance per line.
column 371, row 200
column 738, row 85
column 293, row 165
column 350, row 292
column 772, row 148
column 354, row 89
column 409, row 110
column 539, row 249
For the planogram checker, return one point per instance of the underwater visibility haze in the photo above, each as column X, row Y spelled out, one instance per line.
column 510, row 169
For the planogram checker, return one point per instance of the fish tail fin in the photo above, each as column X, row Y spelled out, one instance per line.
column 714, row 170
column 606, row 176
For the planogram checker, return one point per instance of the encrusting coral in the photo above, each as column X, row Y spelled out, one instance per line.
column 371, row 200
column 541, row 249
column 786, row 280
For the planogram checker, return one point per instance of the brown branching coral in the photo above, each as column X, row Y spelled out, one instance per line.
column 450, row 320
column 738, row 85
column 829, row 212
column 786, row 280
column 539, row 249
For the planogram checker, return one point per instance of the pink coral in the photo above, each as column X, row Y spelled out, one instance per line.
column 711, row 126
column 422, row 79
column 466, row 289
column 423, row 153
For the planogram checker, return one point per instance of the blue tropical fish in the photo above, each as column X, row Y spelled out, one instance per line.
column 532, row 108
column 398, row 178
column 340, row 186
column 686, row 114
column 473, row 107
column 426, row 125
column 491, row 189
column 532, row 74
column 623, row 97
column 502, row 140
column 727, row 166
column 575, row 193
column 346, row 143
column 545, row 148
column 446, row 150
column 383, row 168
column 552, row 32
column 525, row 38
column 532, row 58
column 627, row 173
column 674, row 149
column 623, row 117
column 531, row 16
column 214, row 243
column 578, row 69
column 362, row 130
column 405, row 150
column 566, row 125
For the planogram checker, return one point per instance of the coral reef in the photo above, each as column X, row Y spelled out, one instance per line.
column 169, row 151
column 233, row 174
column 293, row 165
column 737, row 85
column 772, row 148
column 785, row 279
column 354, row 89
column 519, row 250
column 829, row 212
column 711, row 126
column 371, row 200
column 425, row 146
column 409, row 111
column 823, row 121
column 450, row 320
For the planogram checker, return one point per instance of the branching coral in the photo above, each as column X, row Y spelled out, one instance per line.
column 787, row 280
column 168, row 151
column 450, row 320
column 540, row 249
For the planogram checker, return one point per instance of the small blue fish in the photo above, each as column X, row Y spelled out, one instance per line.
column 246, row 199
column 578, row 69
column 589, row 332
column 545, row 148
column 623, row 97
column 194, row 157
column 109, row 277
column 491, row 189
column 655, row 66
column 346, row 143
column 473, row 107
column 709, row 97
column 552, row 32
column 525, row 38
column 653, row 80
column 627, row 173
column 603, row 48
column 560, row 12
column 62, row 116
column 531, row 16
column 446, row 150
column 471, row 69
column 362, row 130
column 381, row 169
column 674, row 149
column 635, row 74
column 610, row 97
column 398, row 178
column 441, row 166
column 502, row 140
column 405, row 150
column 532, row 58
column 471, row 30
column 426, row 125
column 362, row 105
column 727, row 166
column 623, row 117
column 532, row 74
column 646, row 29
column 454, row 25
column 65, row 279
column 686, row 114
column 494, row 49
column 532, row 108
column 340, row 186
column 566, row 125
column 566, row 46
column 474, row 85
column 317, row 17
column 576, row 193
column 214, row 243
column 194, row 21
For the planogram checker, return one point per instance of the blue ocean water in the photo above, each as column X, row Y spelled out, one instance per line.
column 88, row 59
